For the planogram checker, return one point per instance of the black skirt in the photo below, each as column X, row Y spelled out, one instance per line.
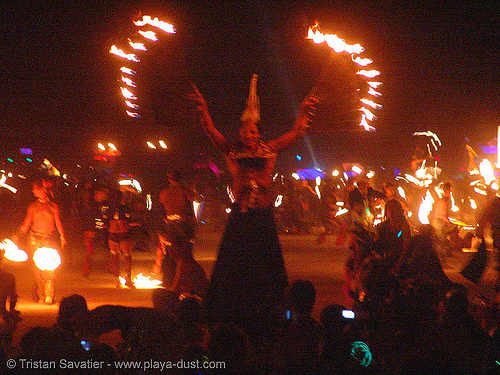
column 249, row 279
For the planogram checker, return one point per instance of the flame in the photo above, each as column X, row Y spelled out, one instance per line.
column 133, row 114
column 369, row 114
column 342, row 211
column 127, row 94
column 149, row 202
column 372, row 92
column 137, row 46
column 473, row 203
column 144, row 282
column 230, row 194
column 487, row 172
column 147, row 20
column 364, row 123
column 131, row 105
column 8, row 187
column 401, row 192
column 128, row 82
column 131, row 182
column 196, row 209
column 369, row 73
column 12, row 252
column 337, row 44
column 118, row 52
column 47, row 259
column 480, row 191
column 357, row 169
column 430, row 134
column 318, row 192
column 126, row 70
column 371, row 103
column 278, row 201
column 151, row 35
column 425, row 208
column 374, row 84
column 363, row 62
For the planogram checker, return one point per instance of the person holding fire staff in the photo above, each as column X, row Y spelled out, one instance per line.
column 44, row 228
column 174, row 256
column 249, row 277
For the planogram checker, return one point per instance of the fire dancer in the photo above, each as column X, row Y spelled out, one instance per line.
column 440, row 220
column 120, row 237
column 43, row 222
column 94, row 222
column 176, row 241
column 249, row 277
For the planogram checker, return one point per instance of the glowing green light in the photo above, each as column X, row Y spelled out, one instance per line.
column 361, row 352
column 28, row 159
column 9, row 159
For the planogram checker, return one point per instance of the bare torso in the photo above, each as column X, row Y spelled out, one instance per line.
column 43, row 218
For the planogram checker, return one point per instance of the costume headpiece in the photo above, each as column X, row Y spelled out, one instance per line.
column 252, row 111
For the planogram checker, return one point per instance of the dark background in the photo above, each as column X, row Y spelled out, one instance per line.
column 60, row 86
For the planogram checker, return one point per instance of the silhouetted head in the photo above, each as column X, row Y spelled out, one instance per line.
column 302, row 296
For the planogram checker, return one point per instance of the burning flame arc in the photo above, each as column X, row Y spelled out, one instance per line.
column 147, row 20
column 138, row 46
column 339, row 45
column 118, row 52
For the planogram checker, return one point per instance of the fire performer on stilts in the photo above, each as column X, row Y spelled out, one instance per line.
column 249, row 278
column 43, row 222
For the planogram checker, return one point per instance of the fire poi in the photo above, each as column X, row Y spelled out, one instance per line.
column 132, row 109
column 355, row 50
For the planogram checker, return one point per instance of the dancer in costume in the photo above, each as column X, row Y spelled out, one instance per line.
column 249, row 277
column 44, row 228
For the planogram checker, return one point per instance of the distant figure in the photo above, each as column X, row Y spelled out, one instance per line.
column 440, row 220
column 95, row 223
column 120, row 237
column 43, row 222
column 8, row 292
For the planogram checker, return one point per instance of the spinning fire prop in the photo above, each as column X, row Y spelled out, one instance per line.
column 140, row 46
column 339, row 46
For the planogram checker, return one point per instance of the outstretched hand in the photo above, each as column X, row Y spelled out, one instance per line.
column 198, row 98
column 306, row 111
column 309, row 104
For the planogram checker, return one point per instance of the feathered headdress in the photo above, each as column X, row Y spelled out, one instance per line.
column 252, row 111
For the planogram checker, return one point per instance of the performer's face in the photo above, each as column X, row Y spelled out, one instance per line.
column 249, row 134
column 39, row 192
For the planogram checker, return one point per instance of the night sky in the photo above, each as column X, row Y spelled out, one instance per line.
column 60, row 89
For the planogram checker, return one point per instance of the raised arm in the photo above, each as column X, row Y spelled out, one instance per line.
column 28, row 220
column 299, row 127
column 207, row 123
